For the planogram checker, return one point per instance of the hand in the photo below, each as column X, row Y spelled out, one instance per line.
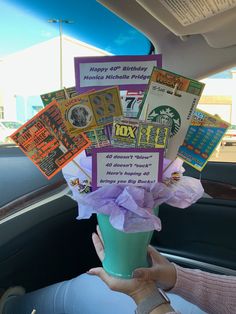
column 133, row 287
column 162, row 271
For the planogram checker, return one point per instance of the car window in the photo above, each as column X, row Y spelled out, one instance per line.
column 38, row 49
column 10, row 124
column 219, row 98
column 37, row 53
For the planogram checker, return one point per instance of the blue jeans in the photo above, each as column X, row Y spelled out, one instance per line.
column 84, row 294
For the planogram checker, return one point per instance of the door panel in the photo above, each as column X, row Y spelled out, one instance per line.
column 206, row 230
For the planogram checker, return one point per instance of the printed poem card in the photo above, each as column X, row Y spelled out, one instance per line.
column 132, row 166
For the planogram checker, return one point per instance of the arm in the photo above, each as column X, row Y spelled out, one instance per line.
column 212, row 293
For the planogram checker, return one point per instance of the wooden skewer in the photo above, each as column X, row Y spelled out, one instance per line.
column 82, row 170
column 169, row 165
column 95, row 133
column 175, row 89
column 146, row 113
column 66, row 94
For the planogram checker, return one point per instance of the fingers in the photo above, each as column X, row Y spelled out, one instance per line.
column 156, row 257
column 98, row 246
column 146, row 274
column 99, row 234
column 152, row 273
column 153, row 252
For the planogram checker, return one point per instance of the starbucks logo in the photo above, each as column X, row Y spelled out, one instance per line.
column 168, row 116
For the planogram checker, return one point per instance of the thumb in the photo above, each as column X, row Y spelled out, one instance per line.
column 100, row 272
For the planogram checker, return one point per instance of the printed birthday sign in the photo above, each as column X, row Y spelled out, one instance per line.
column 88, row 111
column 171, row 100
column 130, row 166
column 45, row 140
column 203, row 136
column 128, row 72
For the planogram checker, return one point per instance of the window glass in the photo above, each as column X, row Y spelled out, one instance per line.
column 219, row 98
column 39, row 40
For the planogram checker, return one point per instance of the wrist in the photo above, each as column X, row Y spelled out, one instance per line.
column 143, row 292
column 152, row 300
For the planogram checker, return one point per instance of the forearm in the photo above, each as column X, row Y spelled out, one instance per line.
column 212, row 293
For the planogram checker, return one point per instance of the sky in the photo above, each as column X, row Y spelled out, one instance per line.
column 24, row 23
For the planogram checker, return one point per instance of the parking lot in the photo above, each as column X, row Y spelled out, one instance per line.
column 224, row 153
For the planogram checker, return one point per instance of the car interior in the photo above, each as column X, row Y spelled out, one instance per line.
column 41, row 241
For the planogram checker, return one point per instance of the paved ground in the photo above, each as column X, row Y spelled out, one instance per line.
column 226, row 153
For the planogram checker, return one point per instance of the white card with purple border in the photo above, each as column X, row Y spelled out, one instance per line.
column 130, row 73
column 129, row 166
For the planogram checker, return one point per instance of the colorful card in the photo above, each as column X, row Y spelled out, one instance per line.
column 129, row 166
column 106, row 105
column 171, row 100
column 128, row 72
column 78, row 114
column 152, row 134
column 124, row 132
column 45, row 140
column 131, row 103
column 58, row 95
column 203, row 136
column 88, row 111
column 127, row 132
column 99, row 137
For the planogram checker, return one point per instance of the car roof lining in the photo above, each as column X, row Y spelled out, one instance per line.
column 178, row 51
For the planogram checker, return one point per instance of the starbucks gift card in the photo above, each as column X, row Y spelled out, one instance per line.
column 171, row 100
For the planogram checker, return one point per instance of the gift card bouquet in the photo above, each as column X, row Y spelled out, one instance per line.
column 126, row 181
column 122, row 157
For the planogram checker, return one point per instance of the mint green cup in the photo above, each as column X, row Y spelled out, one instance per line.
column 124, row 252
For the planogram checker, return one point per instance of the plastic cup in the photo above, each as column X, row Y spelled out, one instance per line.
column 124, row 252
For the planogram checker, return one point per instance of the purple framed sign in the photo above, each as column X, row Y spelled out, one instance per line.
column 128, row 72
column 129, row 166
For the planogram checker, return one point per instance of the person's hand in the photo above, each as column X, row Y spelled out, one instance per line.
column 162, row 271
column 132, row 287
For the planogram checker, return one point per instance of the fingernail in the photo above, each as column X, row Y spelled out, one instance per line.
column 137, row 274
